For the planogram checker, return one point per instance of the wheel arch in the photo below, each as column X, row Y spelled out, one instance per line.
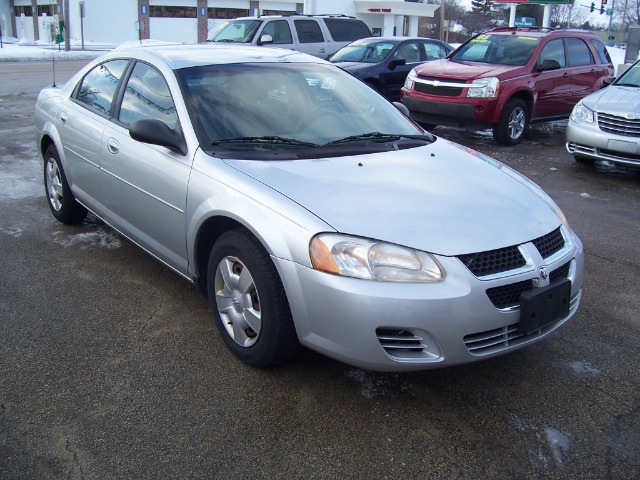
column 526, row 97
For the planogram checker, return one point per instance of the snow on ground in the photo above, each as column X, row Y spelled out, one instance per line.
column 15, row 50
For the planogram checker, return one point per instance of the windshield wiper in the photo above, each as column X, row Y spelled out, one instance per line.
column 265, row 139
column 386, row 137
column 627, row 85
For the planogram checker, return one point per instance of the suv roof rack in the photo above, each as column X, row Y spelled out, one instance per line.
column 332, row 15
column 524, row 29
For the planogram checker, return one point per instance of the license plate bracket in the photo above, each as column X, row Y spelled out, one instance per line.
column 542, row 306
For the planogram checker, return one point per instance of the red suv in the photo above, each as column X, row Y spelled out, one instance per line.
column 507, row 78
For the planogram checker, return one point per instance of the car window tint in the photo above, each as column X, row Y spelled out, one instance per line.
column 554, row 50
column 433, row 51
column 578, row 52
column 308, row 31
column 147, row 96
column 409, row 51
column 279, row 31
column 498, row 49
column 346, row 30
column 603, row 54
column 99, row 85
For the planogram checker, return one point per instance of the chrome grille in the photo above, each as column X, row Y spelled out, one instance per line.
column 619, row 125
column 441, row 90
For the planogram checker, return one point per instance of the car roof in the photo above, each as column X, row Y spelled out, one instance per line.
column 178, row 56
column 537, row 31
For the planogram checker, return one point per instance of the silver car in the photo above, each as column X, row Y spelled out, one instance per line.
column 606, row 124
column 307, row 208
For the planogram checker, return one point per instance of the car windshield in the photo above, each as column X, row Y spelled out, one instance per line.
column 365, row 52
column 630, row 78
column 236, row 31
column 286, row 106
column 497, row 49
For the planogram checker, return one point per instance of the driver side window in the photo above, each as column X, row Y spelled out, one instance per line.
column 554, row 50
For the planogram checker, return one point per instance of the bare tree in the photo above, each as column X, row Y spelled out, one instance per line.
column 569, row 16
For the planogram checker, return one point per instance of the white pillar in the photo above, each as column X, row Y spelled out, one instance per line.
column 546, row 18
column 389, row 24
column 399, row 24
column 512, row 15
column 413, row 25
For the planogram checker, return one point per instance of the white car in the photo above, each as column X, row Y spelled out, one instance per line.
column 309, row 209
column 606, row 124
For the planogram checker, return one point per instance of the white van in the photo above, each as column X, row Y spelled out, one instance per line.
column 318, row 35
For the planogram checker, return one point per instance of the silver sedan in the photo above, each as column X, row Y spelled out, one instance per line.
column 606, row 124
column 307, row 208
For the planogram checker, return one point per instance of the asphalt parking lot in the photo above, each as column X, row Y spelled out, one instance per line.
column 110, row 365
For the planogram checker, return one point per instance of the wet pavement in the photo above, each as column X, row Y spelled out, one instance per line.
column 110, row 365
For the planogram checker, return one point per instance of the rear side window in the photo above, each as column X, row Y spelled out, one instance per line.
column 578, row 52
column 147, row 96
column 603, row 54
column 347, row 30
column 279, row 31
column 99, row 85
column 308, row 31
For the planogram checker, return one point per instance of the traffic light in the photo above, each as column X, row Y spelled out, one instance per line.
column 593, row 7
column 601, row 9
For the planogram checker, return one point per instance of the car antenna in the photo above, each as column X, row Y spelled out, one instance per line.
column 53, row 62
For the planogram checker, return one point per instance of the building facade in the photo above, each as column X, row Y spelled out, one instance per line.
column 187, row 21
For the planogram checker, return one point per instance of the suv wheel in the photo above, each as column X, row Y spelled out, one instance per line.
column 513, row 123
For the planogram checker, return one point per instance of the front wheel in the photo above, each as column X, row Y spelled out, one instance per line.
column 513, row 123
column 250, row 307
column 61, row 201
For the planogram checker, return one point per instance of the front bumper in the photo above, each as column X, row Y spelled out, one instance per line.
column 456, row 112
column 587, row 140
column 401, row 327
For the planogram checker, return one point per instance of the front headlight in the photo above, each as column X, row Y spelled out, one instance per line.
column 581, row 113
column 372, row 260
column 483, row 88
column 411, row 79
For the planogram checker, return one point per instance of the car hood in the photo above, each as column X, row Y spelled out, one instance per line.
column 436, row 198
column 445, row 68
column 613, row 99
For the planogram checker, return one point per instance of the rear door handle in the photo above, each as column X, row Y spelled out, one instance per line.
column 113, row 146
column 63, row 118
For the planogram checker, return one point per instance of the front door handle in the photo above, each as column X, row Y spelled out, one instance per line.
column 113, row 146
column 63, row 118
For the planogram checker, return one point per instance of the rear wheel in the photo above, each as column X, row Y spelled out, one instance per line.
column 250, row 307
column 513, row 123
column 61, row 201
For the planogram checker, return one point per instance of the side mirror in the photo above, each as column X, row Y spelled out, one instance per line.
column 548, row 64
column 395, row 63
column 156, row 132
column 403, row 108
column 606, row 81
column 265, row 39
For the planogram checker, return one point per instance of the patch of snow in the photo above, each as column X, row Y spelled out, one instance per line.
column 558, row 443
column 99, row 238
column 585, row 195
column 15, row 232
column 584, row 367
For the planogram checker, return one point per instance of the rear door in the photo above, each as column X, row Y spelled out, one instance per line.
column 585, row 72
column 311, row 40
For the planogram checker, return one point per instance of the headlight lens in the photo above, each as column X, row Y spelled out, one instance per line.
column 410, row 80
column 581, row 113
column 486, row 88
column 372, row 260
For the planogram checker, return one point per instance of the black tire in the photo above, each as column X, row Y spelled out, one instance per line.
column 243, row 284
column 513, row 124
column 62, row 203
